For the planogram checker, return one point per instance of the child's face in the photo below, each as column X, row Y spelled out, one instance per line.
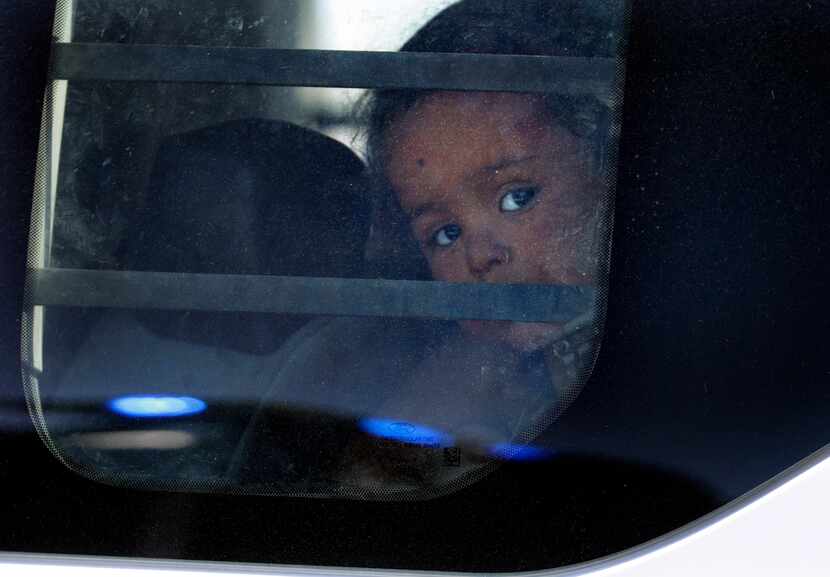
column 498, row 193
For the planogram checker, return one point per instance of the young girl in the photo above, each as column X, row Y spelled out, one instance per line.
column 499, row 188
column 470, row 187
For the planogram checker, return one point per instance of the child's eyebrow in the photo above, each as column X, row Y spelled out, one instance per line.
column 507, row 163
column 422, row 209
column 504, row 163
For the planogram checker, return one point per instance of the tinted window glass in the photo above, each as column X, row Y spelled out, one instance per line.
column 399, row 317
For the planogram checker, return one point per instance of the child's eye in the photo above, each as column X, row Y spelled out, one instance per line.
column 517, row 199
column 446, row 235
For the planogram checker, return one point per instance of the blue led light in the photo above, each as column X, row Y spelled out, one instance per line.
column 155, row 406
column 524, row 453
column 405, row 432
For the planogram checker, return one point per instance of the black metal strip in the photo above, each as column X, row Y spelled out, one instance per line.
column 481, row 72
column 305, row 295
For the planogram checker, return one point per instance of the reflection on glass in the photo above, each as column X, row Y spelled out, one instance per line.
column 161, row 440
column 521, row 453
column 156, row 406
column 409, row 433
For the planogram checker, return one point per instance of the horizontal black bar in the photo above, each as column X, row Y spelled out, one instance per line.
column 437, row 71
column 306, row 295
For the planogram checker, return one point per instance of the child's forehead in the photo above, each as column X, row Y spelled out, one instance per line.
column 461, row 131
column 449, row 138
column 470, row 112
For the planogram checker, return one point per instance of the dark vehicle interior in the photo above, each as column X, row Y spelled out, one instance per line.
column 711, row 377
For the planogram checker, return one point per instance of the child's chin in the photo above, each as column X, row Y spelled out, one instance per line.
column 526, row 337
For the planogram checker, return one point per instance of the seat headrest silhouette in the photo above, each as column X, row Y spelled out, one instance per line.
column 249, row 197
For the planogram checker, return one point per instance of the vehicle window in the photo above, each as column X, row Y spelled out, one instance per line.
column 227, row 296
column 424, row 261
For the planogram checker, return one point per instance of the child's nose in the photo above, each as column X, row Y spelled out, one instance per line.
column 485, row 253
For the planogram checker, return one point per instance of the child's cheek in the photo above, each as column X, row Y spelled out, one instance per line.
column 569, row 252
column 445, row 265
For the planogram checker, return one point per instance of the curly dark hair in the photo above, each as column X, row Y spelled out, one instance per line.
column 583, row 28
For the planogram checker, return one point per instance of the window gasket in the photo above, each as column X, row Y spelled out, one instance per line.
column 308, row 295
column 332, row 68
